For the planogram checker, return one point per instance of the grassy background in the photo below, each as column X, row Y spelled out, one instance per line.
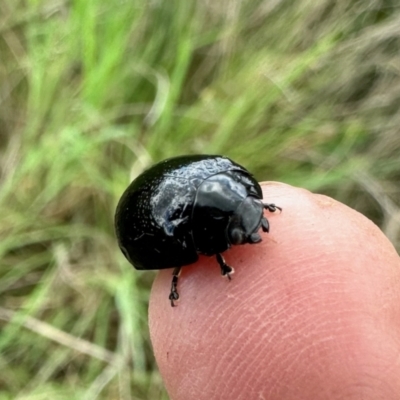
column 93, row 92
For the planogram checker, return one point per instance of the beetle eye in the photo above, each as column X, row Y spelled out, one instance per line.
column 254, row 238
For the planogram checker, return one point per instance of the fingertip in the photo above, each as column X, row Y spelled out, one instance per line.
column 295, row 319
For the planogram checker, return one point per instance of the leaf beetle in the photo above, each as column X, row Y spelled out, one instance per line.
column 186, row 206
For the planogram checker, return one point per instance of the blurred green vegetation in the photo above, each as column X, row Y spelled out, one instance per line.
column 93, row 92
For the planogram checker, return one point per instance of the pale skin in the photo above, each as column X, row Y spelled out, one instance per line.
column 312, row 312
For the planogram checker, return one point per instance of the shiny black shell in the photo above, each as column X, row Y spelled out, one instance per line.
column 185, row 206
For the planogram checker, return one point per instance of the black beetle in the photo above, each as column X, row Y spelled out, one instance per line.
column 186, row 206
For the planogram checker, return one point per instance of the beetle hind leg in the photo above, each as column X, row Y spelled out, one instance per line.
column 271, row 207
column 226, row 270
column 174, row 295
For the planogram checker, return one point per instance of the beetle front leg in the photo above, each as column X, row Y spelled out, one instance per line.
column 174, row 295
column 226, row 270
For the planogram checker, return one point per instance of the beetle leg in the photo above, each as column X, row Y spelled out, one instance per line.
column 174, row 295
column 226, row 270
column 265, row 224
column 271, row 207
